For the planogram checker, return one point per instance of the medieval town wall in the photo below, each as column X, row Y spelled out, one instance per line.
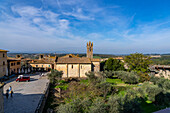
column 1, row 100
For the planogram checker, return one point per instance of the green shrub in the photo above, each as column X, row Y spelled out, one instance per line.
column 98, row 106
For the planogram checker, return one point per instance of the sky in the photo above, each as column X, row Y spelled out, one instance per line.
column 65, row 26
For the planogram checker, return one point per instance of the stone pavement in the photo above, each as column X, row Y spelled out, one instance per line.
column 26, row 95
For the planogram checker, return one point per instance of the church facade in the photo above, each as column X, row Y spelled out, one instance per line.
column 76, row 67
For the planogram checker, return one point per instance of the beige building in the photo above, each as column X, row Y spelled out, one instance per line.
column 3, row 63
column 43, row 63
column 74, row 66
column 14, row 66
column 161, row 71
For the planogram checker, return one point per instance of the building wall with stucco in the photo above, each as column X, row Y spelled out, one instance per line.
column 14, row 66
column 73, row 70
column 3, row 63
column 85, row 68
column 62, row 67
column 39, row 66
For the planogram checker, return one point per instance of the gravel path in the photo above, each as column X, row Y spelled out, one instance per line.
column 26, row 95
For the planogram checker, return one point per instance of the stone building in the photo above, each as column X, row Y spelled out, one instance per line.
column 160, row 71
column 1, row 98
column 90, row 50
column 3, row 63
column 74, row 66
column 44, row 63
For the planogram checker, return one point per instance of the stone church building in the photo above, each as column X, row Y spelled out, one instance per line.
column 74, row 66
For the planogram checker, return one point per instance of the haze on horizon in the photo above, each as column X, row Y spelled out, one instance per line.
column 115, row 27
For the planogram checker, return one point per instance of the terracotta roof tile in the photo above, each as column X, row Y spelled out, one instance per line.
column 40, row 62
column 65, row 60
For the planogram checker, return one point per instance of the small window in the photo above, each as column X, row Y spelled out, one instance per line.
column 18, row 63
column 12, row 64
column 3, row 63
column 3, row 55
column 36, row 65
column 72, row 66
column 49, row 65
column 14, row 70
column 42, row 65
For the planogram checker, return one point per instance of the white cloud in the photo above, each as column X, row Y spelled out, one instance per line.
column 27, row 11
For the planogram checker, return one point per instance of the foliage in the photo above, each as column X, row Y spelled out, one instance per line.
column 143, row 77
column 55, row 76
column 151, row 91
column 76, row 106
column 98, row 106
column 108, row 74
column 95, row 78
column 62, row 86
column 164, row 60
column 114, row 103
column 138, row 62
column 105, row 88
column 99, row 94
column 128, row 77
column 161, row 82
column 113, row 65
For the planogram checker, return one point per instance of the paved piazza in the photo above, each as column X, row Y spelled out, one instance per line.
column 26, row 94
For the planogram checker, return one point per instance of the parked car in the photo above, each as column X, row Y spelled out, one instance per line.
column 23, row 78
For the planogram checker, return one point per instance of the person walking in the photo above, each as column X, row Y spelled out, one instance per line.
column 10, row 88
column 12, row 93
column 7, row 93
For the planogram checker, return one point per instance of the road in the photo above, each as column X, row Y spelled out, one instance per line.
column 26, row 94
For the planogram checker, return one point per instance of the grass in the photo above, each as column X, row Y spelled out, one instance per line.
column 63, row 86
column 114, row 81
column 96, row 57
column 84, row 81
column 148, row 107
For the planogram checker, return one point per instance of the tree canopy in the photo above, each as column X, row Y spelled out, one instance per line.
column 113, row 65
column 138, row 62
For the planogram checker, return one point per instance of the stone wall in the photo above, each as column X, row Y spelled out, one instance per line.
column 84, row 68
column 73, row 70
column 61, row 67
column 1, row 100
column 3, row 68
column 96, row 66
column 164, row 73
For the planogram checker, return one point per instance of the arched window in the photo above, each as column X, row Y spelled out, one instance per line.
column 72, row 66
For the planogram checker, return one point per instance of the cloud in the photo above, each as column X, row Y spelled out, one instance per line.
column 27, row 11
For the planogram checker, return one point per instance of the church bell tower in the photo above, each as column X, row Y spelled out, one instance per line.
column 90, row 50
